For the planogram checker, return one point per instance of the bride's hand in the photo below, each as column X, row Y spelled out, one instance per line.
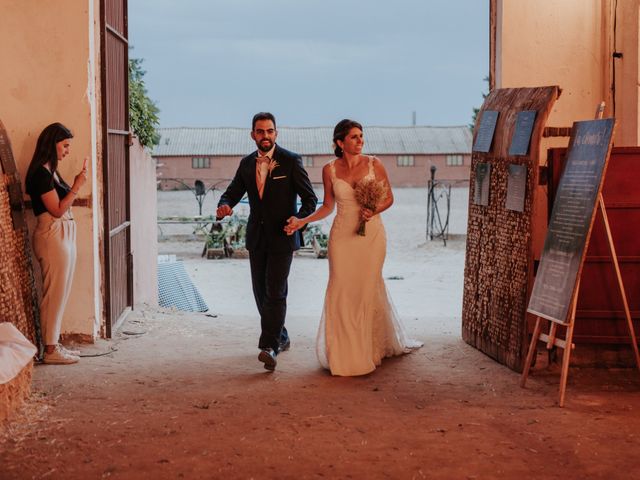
column 293, row 224
column 366, row 214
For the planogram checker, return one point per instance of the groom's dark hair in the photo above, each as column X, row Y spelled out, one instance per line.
column 262, row 116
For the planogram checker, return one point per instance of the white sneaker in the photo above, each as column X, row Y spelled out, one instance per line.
column 60, row 357
column 69, row 351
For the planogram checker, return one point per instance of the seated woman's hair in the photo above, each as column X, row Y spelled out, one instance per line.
column 45, row 151
column 340, row 133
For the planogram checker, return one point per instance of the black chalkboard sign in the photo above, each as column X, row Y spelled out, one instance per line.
column 486, row 129
column 571, row 219
column 522, row 133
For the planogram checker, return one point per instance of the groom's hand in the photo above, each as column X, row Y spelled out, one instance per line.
column 223, row 211
column 293, row 224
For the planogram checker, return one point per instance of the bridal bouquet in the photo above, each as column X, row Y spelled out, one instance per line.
column 369, row 194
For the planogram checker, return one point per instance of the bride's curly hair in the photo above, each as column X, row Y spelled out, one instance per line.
column 341, row 131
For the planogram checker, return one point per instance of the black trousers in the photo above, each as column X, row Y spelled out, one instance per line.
column 269, row 275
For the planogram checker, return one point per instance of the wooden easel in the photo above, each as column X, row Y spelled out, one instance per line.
column 567, row 343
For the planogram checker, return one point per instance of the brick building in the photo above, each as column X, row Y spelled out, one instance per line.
column 212, row 154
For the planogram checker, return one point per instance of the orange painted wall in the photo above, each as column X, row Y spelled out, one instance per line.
column 570, row 43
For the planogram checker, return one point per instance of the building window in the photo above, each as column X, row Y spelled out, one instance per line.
column 200, row 162
column 307, row 161
column 405, row 161
column 455, row 160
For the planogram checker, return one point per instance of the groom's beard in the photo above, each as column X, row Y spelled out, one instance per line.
column 265, row 145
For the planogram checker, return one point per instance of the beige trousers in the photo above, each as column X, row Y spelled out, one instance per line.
column 54, row 244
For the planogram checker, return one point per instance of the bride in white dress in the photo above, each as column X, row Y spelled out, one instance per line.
column 359, row 326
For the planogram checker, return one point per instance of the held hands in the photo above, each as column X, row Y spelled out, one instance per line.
column 293, row 224
column 223, row 211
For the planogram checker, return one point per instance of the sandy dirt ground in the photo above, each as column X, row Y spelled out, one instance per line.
column 182, row 395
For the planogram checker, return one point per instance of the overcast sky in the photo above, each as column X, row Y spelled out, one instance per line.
column 312, row 62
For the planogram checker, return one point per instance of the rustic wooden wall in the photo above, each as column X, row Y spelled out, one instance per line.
column 499, row 261
column 18, row 296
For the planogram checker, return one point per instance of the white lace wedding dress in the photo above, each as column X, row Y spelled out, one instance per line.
column 359, row 326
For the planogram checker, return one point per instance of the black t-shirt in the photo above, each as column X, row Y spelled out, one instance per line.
column 41, row 182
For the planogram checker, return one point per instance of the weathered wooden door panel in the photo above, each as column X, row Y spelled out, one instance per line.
column 115, row 103
column 499, row 252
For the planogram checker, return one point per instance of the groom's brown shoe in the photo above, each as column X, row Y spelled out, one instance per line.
column 268, row 357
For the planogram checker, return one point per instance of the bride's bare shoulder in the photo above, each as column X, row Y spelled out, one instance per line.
column 377, row 163
column 328, row 171
column 328, row 165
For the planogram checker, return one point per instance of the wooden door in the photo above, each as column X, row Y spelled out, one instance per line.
column 116, row 138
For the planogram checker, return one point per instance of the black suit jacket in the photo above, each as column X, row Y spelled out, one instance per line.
column 268, row 216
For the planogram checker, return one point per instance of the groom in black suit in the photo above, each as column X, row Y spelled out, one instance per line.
column 273, row 178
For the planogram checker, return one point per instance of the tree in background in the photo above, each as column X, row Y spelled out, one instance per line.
column 143, row 112
column 477, row 110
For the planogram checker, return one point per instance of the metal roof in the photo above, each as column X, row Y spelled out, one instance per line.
column 414, row 140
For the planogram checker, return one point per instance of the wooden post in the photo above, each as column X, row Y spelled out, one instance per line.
column 552, row 335
column 531, row 352
column 566, row 355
